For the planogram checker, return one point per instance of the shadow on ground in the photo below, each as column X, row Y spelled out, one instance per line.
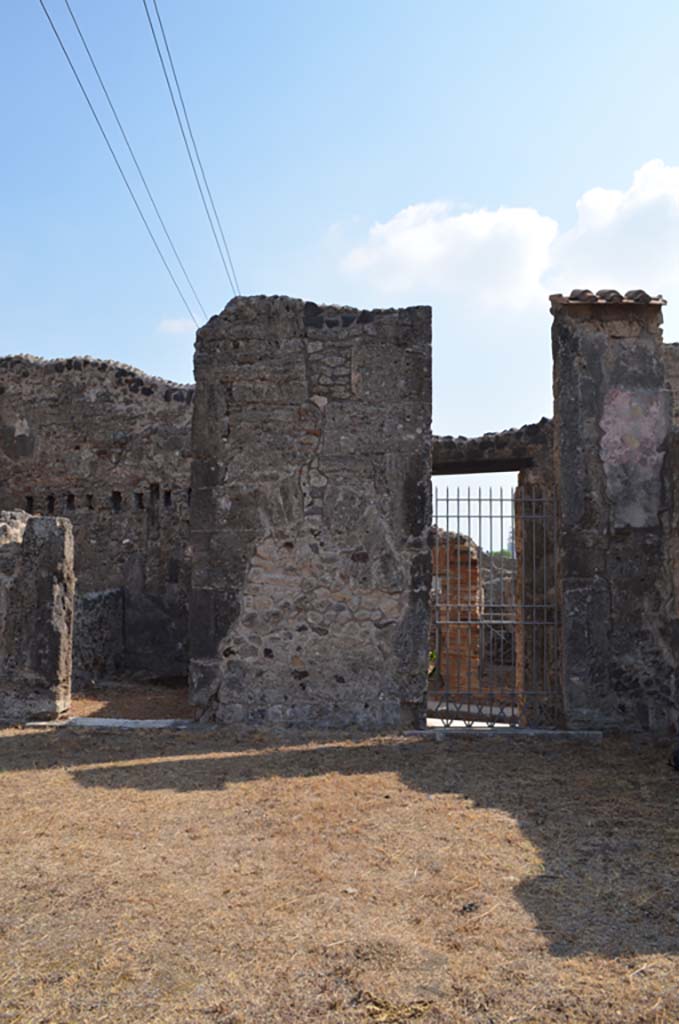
column 604, row 819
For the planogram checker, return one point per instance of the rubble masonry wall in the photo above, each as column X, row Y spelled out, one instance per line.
column 108, row 448
column 311, row 514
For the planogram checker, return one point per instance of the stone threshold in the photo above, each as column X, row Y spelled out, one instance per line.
column 120, row 723
column 439, row 733
column 436, row 733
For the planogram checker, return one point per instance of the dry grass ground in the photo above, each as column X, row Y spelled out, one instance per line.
column 192, row 878
column 128, row 699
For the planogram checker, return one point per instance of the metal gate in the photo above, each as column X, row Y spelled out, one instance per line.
column 494, row 635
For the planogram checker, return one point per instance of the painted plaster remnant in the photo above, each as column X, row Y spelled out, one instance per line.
column 634, row 427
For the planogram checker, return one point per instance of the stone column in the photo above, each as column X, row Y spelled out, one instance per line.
column 311, row 513
column 37, row 586
column 612, row 420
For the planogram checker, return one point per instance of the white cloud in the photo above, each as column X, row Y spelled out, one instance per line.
column 179, row 326
column 624, row 239
column 512, row 257
column 498, row 256
column 488, row 274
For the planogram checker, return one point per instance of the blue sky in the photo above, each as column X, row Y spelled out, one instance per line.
column 374, row 153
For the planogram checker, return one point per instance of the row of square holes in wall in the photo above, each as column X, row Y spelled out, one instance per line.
column 116, row 502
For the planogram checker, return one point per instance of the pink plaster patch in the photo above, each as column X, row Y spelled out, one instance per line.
column 634, row 425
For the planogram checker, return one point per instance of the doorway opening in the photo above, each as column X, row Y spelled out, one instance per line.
column 493, row 657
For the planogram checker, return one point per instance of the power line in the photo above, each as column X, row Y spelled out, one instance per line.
column 134, row 158
column 117, row 162
column 231, row 280
column 195, row 147
column 232, row 284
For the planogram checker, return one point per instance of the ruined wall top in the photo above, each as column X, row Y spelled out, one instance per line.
column 260, row 308
column 122, row 374
column 65, row 421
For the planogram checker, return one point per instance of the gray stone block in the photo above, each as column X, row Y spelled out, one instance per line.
column 37, row 587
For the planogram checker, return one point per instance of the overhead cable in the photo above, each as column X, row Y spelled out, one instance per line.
column 134, row 159
column 195, row 146
column 117, row 162
column 222, row 249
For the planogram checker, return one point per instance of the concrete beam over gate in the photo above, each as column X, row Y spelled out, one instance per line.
column 504, row 451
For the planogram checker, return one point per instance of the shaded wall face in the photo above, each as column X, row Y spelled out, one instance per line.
column 670, row 355
column 538, row 669
column 311, row 513
column 613, row 417
column 37, row 586
column 108, row 448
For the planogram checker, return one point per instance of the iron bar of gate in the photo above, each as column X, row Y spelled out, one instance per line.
column 534, row 550
column 468, row 695
column 491, row 591
column 545, row 647
column 495, row 633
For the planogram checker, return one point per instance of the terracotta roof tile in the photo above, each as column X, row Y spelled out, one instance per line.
column 583, row 296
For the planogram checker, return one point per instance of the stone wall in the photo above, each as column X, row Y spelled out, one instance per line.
column 36, row 616
column 306, row 478
column 613, row 419
column 108, row 448
column 311, row 514
column 670, row 354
